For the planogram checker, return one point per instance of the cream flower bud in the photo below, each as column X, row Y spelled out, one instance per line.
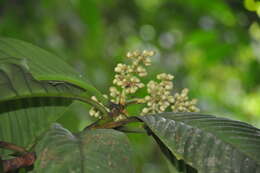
column 165, row 77
column 136, row 53
column 114, row 92
column 148, row 53
column 94, row 98
column 145, row 52
column 118, row 68
column 147, row 62
column 194, row 101
column 147, row 98
column 171, row 99
column 141, row 69
column 129, row 55
column 145, row 110
column 140, row 101
column 92, row 112
column 151, row 53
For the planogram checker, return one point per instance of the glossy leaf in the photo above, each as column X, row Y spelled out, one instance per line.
column 180, row 165
column 43, row 65
column 95, row 151
column 36, row 87
column 207, row 143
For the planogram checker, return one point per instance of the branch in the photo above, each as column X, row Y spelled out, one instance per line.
column 12, row 147
column 25, row 160
column 135, row 101
column 112, row 124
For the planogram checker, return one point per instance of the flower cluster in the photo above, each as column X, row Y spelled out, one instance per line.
column 183, row 104
column 127, row 81
column 128, row 77
column 159, row 98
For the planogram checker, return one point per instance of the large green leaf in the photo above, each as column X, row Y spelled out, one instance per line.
column 43, row 65
column 180, row 165
column 36, row 87
column 92, row 151
column 207, row 143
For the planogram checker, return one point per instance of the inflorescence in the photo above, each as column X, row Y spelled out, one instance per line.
column 127, row 81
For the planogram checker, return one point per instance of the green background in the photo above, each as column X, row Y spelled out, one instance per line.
column 211, row 47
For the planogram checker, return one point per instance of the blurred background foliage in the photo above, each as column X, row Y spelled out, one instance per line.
column 212, row 48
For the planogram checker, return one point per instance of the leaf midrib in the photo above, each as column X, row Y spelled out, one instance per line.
column 73, row 80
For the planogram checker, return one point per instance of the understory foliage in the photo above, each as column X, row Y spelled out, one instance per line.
column 37, row 87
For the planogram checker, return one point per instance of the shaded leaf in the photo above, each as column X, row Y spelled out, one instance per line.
column 95, row 151
column 207, row 143
column 30, row 98
column 180, row 165
column 43, row 65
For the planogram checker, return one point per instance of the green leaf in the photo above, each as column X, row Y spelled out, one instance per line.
column 36, row 87
column 207, row 143
column 95, row 151
column 180, row 165
column 43, row 65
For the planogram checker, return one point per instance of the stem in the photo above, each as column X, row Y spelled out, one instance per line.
column 112, row 124
column 122, row 97
column 127, row 129
column 134, row 101
column 26, row 160
column 12, row 147
column 95, row 104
